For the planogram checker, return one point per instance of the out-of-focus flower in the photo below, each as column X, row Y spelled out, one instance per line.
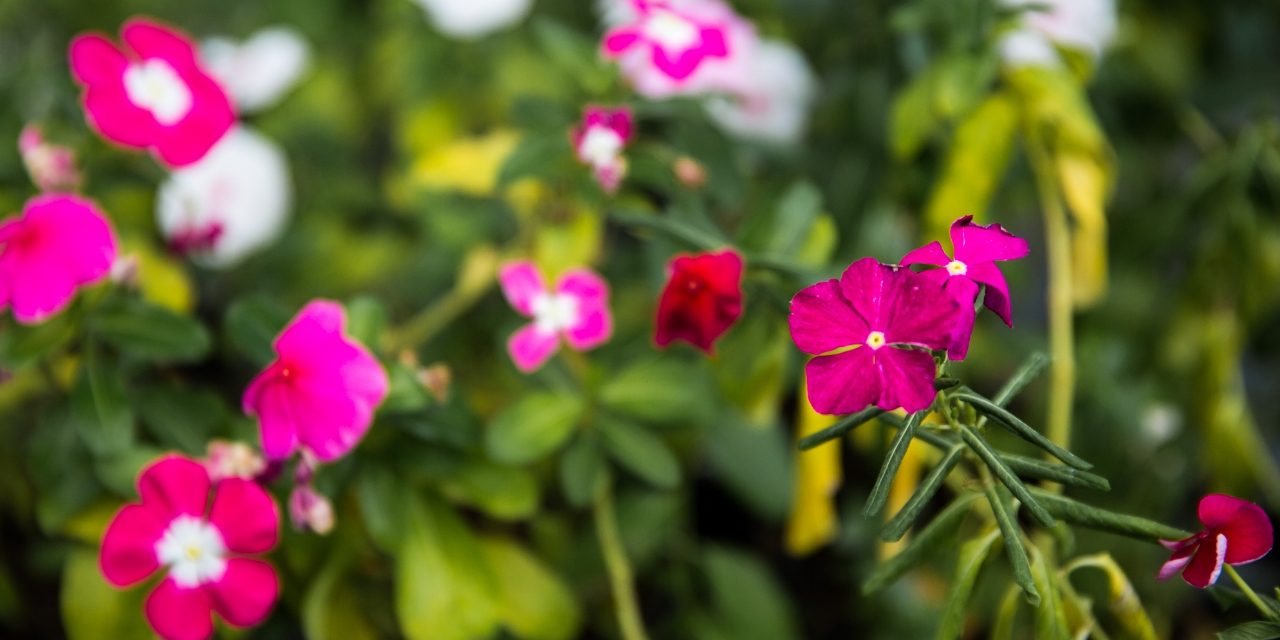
column 599, row 142
column 232, row 202
column 769, row 95
column 321, row 391
column 690, row 172
column 701, row 300
column 260, row 70
column 674, row 47
column 233, row 460
column 889, row 316
column 201, row 541
column 60, row 243
column 52, row 167
column 578, row 308
column 154, row 95
column 468, row 19
column 310, row 511
column 1085, row 25
column 976, row 248
column 1235, row 532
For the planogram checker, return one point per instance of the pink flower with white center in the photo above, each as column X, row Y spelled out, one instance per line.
column 1235, row 532
column 599, row 142
column 578, row 309
column 59, row 244
column 52, row 167
column 322, row 390
column 669, row 47
column 152, row 95
column 976, row 250
column 871, row 331
column 201, row 540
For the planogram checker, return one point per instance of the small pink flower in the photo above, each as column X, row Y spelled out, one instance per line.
column 60, row 243
column 977, row 249
column 202, row 541
column 233, row 460
column 578, row 308
column 599, row 142
column 321, row 391
column 153, row 95
column 671, row 40
column 1235, row 532
column 890, row 317
column 310, row 511
column 52, row 167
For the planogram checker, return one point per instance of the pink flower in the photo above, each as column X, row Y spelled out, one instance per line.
column 578, row 308
column 668, row 46
column 1235, row 532
column 60, row 243
column 321, row 391
column 154, row 95
column 977, row 248
column 599, row 142
column 702, row 298
column 52, row 167
column 201, row 541
column 880, row 321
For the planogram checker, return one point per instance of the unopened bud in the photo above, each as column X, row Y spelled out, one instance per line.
column 52, row 167
column 310, row 511
column 690, row 172
column 233, row 460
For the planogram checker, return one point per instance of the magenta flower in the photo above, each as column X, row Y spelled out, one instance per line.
column 578, row 308
column 977, row 249
column 871, row 331
column 60, row 243
column 321, row 391
column 674, row 40
column 201, row 542
column 153, row 95
column 1235, row 532
column 599, row 141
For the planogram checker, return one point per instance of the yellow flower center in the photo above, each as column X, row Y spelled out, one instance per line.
column 957, row 268
column 875, row 339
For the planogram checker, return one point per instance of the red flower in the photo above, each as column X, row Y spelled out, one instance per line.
column 702, row 299
column 1235, row 532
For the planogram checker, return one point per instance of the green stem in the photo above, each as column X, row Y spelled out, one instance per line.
column 1249, row 593
column 619, row 568
column 475, row 279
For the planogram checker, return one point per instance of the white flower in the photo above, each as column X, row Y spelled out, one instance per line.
column 468, row 19
column 256, row 73
column 1086, row 25
column 770, row 100
column 233, row 201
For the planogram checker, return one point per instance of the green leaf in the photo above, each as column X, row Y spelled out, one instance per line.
column 1005, row 475
column 906, row 516
column 892, row 460
column 150, row 332
column 533, row 427
column 533, row 602
column 972, row 554
column 841, row 427
column 1041, row 470
column 179, row 417
column 1094, row 518
column 1014, row 549
column 1051, row 617
column 379, row 495
column 928, row 539
column 576, row 54
column 949, row 87
column 662, row 390
column 746, row 598
column 1021, row 429
column 92, row 608
column 640, row 452
column 366, row 320
column 1122, row 600
column 797, row 211
column 1029, row 370
column 582, row 471
column 251, row 325
column 755, row 463
column 1257, row 630
column 503, row 492
column 331, row 607
column 100, row 409
column 22, row 344
column 538, row 155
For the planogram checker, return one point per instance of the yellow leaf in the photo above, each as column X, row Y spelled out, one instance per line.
column 1085, row 184
column 813, row 522
column 976, row 161
column 533, row 602
column 468, row 165
column 161, row 278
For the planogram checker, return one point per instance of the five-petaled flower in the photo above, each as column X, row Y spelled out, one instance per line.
column 976, row 250
column 202, row 542
column 60, row 243
column 578, row 308
column 871, row 331
column 599, row 141
column 155, row 95
column 702, row 298
column 1235, row 532
column 322, row 390
column 673, row 40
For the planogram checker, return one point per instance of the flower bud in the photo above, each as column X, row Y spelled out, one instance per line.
column 310, row 511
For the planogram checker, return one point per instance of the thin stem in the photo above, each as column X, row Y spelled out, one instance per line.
column 1249, row 593
column 475, row 278
column 619, row 568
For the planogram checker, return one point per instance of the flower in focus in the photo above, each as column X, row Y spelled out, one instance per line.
column 260, row 70
column 309, row 510
column 153, row 95
column 578, row 308
column 232, row 460
column 1085, row 25
column 469, row 19
column 769, row 95
column 1235, row 532
column 701, row 300
column 60, row 243
column 202, row 542
column 52, row 167
column 232, row 202
column 322, row 390
column 599, row 141
column 976, row 250
column 870, row 331
column 670, row 47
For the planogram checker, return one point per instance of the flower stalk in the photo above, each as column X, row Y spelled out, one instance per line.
column 625, row 605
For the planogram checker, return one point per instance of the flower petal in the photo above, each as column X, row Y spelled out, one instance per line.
column 822, row 319
column 962, row 329
column 245, row 515
column 268, row 399
column 917, row 311
column 174, row 486
column 616, row 42
column 1206, row 564
column 595, row 323
column 153, row 40
column 95, row 59
column 842, row 383
column 210, row 118
column 178, row 613
column 521, row 283
column 530, row 348
column 68, row 243
column 975, row 243
column 129, row 546
column 931, row 253
column 1245, row 524
column 1176, row 562
column 865, row 284
column 997, row 296
column 246, row 593
column 906, row 379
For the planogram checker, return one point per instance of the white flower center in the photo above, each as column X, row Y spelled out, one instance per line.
column 193, row 550
column 957, row 268
column 673, row 32
column 153, row 85
column 875, row 340
column 599, row 146
column 553, row 313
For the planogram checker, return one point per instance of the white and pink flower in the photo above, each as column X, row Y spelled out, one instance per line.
column 600, row 140
column 677, row 47
column 1088, row 26
column 577, row 309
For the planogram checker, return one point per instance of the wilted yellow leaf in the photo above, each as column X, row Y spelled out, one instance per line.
column 813, row 522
